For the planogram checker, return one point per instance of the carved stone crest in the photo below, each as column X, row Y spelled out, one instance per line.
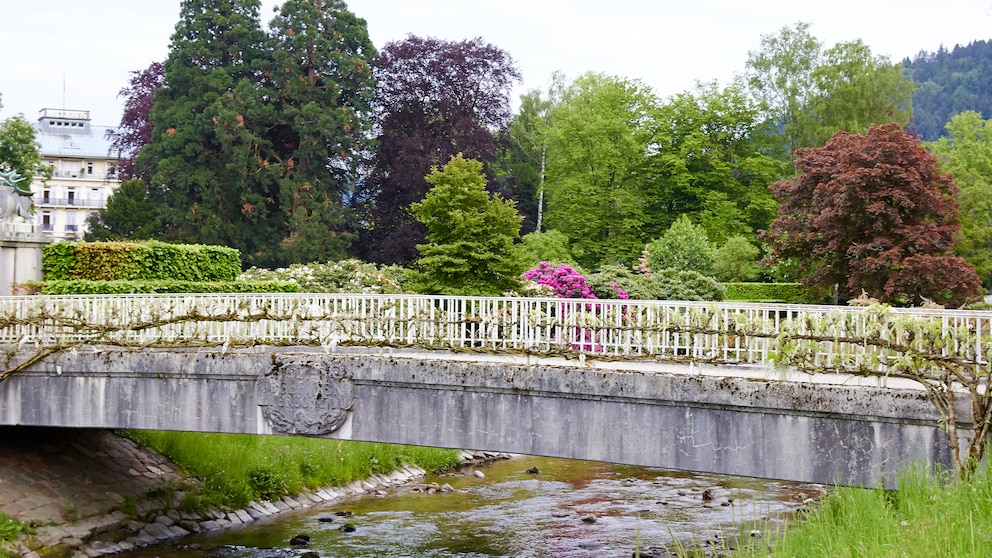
column 308, row 398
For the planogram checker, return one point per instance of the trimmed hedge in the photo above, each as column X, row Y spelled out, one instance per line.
column 774, row 292
column 86, row 286
column 148, row 260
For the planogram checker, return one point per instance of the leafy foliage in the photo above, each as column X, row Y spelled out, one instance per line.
column 736, row 260
column 19, row 148
column 794, row 293
column 471, row 235
column 811, row 93
column 966, row 153
column 255, row 136
column 130, row 214
column 344, row 276
column 137, row 286
column 683, row 247
column 709, row 162
column 599, row 134
column 949, row 82
column 322, row 86
column 135, row 129
column 548, row 246
column 434, row 99
column 149, row 260
column 874, row 212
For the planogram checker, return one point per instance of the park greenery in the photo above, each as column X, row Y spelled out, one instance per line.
column 234, row 469
column 327, row 165
column 314, row 146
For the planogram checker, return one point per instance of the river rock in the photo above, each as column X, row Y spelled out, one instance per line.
column 300, row 540
column 347, row 528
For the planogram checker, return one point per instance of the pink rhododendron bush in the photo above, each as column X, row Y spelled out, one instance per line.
column 619, row 282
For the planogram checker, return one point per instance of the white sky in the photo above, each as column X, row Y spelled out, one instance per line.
column 78, row 54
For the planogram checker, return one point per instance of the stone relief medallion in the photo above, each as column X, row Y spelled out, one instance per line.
column 307, row 398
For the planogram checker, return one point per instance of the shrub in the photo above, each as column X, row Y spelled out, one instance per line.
column 149, row 260
column 84, row 286
column 344, row 276
column 736, row 260
column 684, row 247
column 775, row 292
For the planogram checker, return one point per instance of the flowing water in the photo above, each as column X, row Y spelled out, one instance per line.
column 559, row 508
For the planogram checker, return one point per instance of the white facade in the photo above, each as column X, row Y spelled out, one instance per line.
column 83, row 173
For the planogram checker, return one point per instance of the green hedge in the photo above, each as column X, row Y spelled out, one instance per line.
column 86, row 286
column 774, row 292
column 149, row 260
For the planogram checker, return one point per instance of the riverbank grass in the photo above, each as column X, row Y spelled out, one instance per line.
column 235, row 469
column 927, row 516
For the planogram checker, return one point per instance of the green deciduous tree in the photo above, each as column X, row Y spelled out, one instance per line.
column 599, row 136
column 853, row 90
column 966, row 153
column 548, row 246
column 471, row 234
column 736, row 260
column 811, row 93
column 707, row 161
column 780, row 73
column 683, row 247
column 19, row 148
column 874, row 212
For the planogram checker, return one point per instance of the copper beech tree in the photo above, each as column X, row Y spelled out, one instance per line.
column 873, row 213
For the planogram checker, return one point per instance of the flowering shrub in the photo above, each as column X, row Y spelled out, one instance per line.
column 562, row 279
column 345, row 276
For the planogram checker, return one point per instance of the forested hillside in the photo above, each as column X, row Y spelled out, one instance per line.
column 950, row 82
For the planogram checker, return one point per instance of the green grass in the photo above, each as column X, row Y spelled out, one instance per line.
column 928, row 516
column 237, row 468
column 10, row 528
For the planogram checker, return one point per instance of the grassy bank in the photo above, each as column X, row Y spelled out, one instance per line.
column 932, row 517
column 235, row 468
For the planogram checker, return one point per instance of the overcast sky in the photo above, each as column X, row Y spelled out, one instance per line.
column 78, row 54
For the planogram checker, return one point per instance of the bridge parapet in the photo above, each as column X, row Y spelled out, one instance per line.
column 731, row 333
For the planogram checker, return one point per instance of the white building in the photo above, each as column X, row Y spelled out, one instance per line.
column 83, row 173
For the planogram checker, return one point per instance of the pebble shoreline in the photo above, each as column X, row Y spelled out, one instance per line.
column 110, row 532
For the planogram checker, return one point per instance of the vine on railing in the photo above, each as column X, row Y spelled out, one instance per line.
column 948, row 359
column 947, row 352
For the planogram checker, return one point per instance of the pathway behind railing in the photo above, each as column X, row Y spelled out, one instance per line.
column 737, row 333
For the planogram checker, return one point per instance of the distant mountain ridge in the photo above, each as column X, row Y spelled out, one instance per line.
column 949, row 82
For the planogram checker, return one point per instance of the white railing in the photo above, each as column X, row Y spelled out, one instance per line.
column 668, row 330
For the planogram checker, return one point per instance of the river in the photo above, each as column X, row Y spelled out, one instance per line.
column 522, row 507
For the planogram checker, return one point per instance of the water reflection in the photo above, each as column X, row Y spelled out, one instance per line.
column 568, row 509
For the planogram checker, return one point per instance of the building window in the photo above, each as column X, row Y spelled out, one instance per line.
column 71, row 197
column 46, row 220
column 89, row 168
column 70, row 221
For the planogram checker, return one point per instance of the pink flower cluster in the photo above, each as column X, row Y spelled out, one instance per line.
column 562, row 279
column 566, row 282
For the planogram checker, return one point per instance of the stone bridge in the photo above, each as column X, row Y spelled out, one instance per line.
column 512, row 375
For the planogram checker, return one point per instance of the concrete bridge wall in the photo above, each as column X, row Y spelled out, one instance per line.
column 705, row 419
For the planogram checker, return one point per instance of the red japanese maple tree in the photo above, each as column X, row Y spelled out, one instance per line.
column 873, row 213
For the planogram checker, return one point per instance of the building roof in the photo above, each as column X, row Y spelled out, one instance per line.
column 69, row 133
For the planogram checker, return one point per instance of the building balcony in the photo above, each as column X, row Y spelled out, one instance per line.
column 69, row 202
